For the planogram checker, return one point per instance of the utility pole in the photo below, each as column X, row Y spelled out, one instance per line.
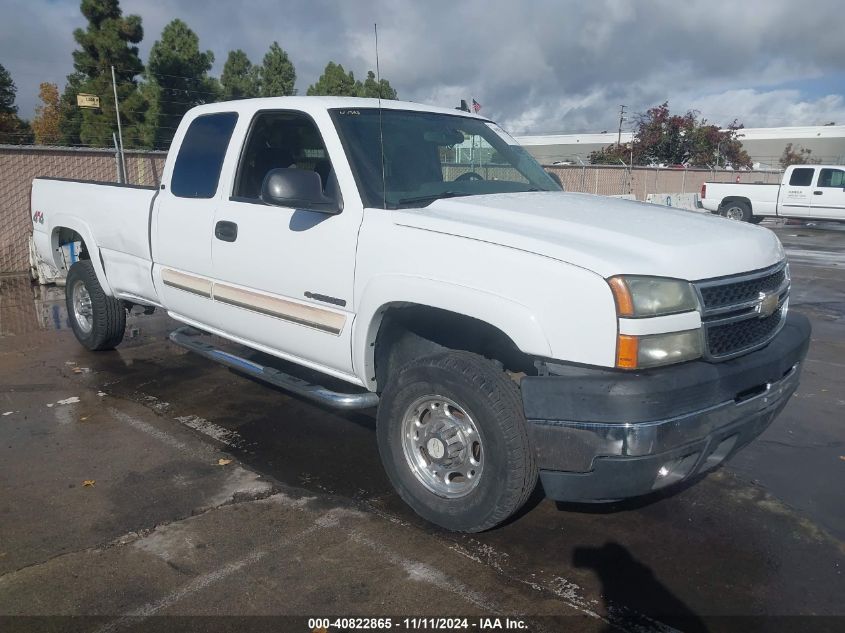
column 119, row 131
column 621, row 119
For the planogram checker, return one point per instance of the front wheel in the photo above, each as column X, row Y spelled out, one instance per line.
column 97, row 320
column 454, row 441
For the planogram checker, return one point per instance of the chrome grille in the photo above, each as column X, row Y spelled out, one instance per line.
column 731, row 311
column 730, row 293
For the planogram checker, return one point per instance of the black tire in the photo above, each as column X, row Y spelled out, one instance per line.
column 492, row 401
column 756, row 219
column 108, row 316
column 737, row 210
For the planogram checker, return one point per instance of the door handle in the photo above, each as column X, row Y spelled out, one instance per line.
column 818, row 193
column 226, row 231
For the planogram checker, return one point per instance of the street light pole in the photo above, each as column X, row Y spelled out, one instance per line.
column 119, row 130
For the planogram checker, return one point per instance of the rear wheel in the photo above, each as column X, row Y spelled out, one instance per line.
column 737, row 210
column 97, row 320
column 454, row 441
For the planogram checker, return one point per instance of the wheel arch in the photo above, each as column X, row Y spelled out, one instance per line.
column 728, row 199
column 66, row 230
column 429, row 316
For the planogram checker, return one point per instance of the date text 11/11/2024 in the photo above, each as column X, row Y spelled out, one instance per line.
column 324, row 625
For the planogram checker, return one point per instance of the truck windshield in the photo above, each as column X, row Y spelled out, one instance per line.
column 428, row 156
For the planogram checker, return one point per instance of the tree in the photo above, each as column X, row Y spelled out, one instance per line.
column 277, row 74
column 107, row 41
column 240, row 78
column 176, row 81
column 335, row 81
column 370, row 87
column 70, row 116
column 796, row 156
column 13, row 129
column 661, row 137
column 46, row 123
column 8, row 92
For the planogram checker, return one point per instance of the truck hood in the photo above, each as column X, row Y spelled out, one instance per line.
column 608, row 236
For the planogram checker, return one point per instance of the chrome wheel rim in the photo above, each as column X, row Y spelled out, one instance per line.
column 442, row 446
column 83, row 312
column 734, row 213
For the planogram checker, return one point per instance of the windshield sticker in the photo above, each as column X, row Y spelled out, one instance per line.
column 507, row 138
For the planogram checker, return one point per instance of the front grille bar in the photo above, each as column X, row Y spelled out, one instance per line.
column 738, row 312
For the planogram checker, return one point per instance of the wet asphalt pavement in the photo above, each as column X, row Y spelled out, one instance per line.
column 303, row 521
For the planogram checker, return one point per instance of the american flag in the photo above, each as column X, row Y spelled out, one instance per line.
column 475, row 106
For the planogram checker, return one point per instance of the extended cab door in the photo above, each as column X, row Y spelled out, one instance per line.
column 829, row 194
column 183, row 220
column 283, row 276
column 795, row 195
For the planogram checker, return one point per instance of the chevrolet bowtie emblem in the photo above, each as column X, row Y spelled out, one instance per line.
column 766, row 305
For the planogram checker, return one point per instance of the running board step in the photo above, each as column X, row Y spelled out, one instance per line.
column 190, row 339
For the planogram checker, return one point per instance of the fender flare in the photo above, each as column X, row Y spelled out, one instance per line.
column 384, row 291
column 62, row 221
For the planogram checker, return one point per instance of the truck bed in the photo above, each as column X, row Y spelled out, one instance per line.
column 763, row 197
column 115, row 217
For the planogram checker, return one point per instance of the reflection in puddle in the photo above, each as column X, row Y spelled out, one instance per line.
column 26, row 307
column 50, row 307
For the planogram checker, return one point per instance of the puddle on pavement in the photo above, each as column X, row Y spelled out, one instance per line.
column 26, row 307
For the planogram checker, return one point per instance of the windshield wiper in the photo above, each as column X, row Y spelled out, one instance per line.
column 432, row 197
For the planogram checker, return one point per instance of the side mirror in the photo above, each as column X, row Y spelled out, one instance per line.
column 298, row 188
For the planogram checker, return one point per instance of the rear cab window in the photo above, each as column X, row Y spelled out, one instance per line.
column 801, row 177
column 196, row 173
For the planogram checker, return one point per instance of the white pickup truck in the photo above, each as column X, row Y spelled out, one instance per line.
column 503, row 328
column 806, row 191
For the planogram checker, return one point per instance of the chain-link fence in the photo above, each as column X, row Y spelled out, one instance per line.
column 608, row 180
column 19, row 165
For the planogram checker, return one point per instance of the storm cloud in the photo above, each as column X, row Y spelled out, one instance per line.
column 536, row 66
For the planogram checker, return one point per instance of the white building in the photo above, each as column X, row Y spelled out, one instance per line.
column 764, row 144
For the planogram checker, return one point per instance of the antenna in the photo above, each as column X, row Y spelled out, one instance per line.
column 380, row 127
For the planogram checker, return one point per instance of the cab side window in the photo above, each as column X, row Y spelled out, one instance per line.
column 282, row 140
column 801, row 177
column 832, row 178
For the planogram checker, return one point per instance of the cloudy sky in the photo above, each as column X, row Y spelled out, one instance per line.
column 536, row 66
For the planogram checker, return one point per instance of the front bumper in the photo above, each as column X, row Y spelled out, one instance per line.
column 604, row 435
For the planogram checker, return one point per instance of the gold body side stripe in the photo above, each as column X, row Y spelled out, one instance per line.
column 309, row 316
column 188, row 283
column 317, row 318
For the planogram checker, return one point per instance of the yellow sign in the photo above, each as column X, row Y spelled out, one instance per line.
column 87, row 101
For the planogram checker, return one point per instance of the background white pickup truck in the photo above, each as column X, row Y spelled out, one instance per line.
column 502, row 327
column 806, row 191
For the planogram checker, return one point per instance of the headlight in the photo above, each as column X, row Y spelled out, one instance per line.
column 651, row 296
column 639, row 352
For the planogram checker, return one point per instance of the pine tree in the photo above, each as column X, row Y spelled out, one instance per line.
column 277, row 74
column 240, row 78
column 334, row 81
column 107, row 41
column 176, row 81
column 370, row 88
column 13, row 129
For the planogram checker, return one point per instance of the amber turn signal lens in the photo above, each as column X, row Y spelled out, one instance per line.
column 624, row 302
column 627, row 350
